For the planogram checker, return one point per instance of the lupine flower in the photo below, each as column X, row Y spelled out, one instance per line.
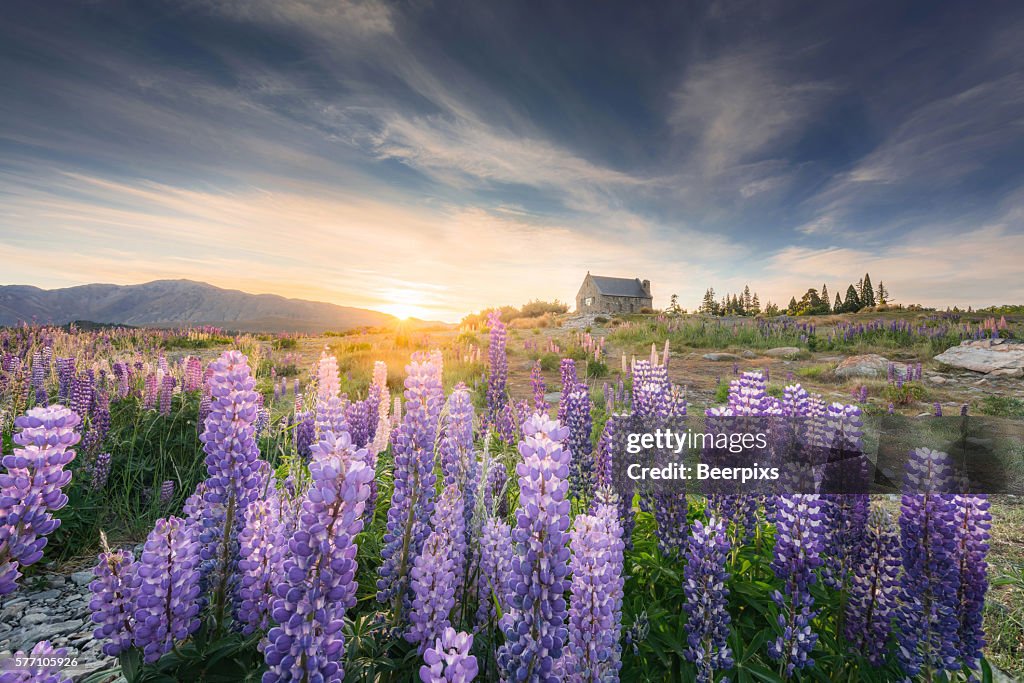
column 535, row 631
column 305, row 433
column 928, row 622
column 193, row 374
column 231, row 460
column 495, row 565
column 540, row 403
column 166, row 391
column 166, row 492
column 41, row 670
column 873, row 589
column 113, row 600
column 638, row 631
column 567, row 369
column 798, row 546
column 595, row 608
column 261, row 551
column 458, row 461
column 100, row 420
column 149, row 391
column 412, row 501
column 167, row 592
column 577, row 419
column 497, row 375
column 938, row 409
column 707, row 628
column 100, row 471
column 31, row 487
column 449, row 661
column 973, row 522
column 82, row 387
column 432, row 579
column 319, row 573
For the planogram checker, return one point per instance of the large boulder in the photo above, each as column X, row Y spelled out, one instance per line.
column 986, row 356
column 868, row 365
column 783, row 352
column 721, row 356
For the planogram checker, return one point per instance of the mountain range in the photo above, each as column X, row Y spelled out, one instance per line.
column 173, row 303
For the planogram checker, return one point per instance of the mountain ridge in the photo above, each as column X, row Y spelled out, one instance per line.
column 172, row 303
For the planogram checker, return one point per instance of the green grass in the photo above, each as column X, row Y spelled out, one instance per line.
column 1002, row 406
column 816, row 371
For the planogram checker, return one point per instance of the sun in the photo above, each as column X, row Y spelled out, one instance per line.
column 403, row 311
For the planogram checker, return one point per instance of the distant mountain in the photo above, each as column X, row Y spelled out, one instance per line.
column 172, row 303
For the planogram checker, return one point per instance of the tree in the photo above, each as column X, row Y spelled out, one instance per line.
column 867, row 293
column 792, row 306
column 811, row 304
column 747, row 303
column 771, row 310
column 852, row 303
column 755, row 305
column 883, row 294
column 825, row 299
column 837, row 307
column 708, row 305
column 673, row 305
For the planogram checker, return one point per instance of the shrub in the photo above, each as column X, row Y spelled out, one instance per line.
column 596, row 369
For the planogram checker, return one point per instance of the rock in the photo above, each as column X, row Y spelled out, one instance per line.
column 721, row 356
column 985, row 356
column 553, row 396
column 936, row 379
column 83, row 578
column 1015, row 373
column 783, row 352
column 869, row 365
column 46, row 595
column 747, row 353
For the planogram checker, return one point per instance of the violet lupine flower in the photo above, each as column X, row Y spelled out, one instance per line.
column 318, row 583
column 928, row 622
column 166, row 391
column 82, row 387
column 412, row 501
column 149, row 391
column 432, row 579
column 874, row 588
column 42, row 670
column 458, row 461
column 101, row 413
column 39, row 371
column 938, row 409
column 798, row 547
column 569, row 380
column 31, row 487
column 578, row 420
column 540, row 404
column 99, row 472
column 166, row 492
column 595, row 608
column 113, row 600
column 449, row 661
column 535, row 631
column 497, row 375
column 193, row 374
column 707, row 598
column 495, row 566
column 261, row 552
column 232, row 462
column 65, row 373
column 167, row 588
column 357, row 417
column 973, row 523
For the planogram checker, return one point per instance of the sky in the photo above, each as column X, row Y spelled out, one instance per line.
column 435, row 158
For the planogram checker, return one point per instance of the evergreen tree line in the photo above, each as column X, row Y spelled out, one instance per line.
column 858, row 296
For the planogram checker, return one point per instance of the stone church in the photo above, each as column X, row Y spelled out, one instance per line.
column 600, row 294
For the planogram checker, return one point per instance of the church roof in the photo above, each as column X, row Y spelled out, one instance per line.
column 619, row 286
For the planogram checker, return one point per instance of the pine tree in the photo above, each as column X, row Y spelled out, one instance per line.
column 837, row 307
column 825, row 300
column 867, row 293
column 883, row 294
column 708, row 305
column 860, row 289
column 673, row 305
column 755, row 305
column 852, row 303
column 792, row 306
column 747, row 303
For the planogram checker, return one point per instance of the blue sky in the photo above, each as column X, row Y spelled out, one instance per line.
column 438, row 157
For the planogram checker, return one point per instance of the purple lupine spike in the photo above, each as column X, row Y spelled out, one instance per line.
column 704, row 577
column 261, row 550
column 193, row 374
column 595, row 608
column 42, row 667
column 101, row 413
column 167, row 592
column 166, row 492
column 495, row 566
column 318, row 584
column 412, row 502
column 31, row 487
column 166, row 392
column 938, row 409
column 232, row 461
column 113, row 600
column 535, row 631
column 927, row 617
column 432, row 579
column 497, row 375
column 99, row 472
column 149, row 392
column 65, row 373
column 540, row 403
column 873, row 591
column 798, row 547
column 449, row 660
column 82, row 387
column 567, row 369
column 973, row 523
column 458, row 461
column 578, row 420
